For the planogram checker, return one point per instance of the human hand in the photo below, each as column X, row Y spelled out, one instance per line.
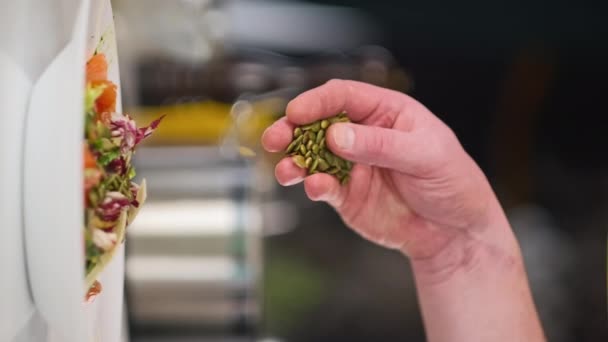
column 413, row 186
column 415, row 189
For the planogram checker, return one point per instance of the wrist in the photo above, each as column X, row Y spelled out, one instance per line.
column 490, row 245
column 476, row 289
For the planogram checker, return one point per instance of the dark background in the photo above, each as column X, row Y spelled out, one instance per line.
column 523, row 85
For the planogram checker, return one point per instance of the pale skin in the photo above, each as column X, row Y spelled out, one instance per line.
column 416, row 190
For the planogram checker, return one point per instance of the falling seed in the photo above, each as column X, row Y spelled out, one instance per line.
column 246, row 152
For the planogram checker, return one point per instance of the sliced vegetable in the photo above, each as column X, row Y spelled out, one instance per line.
column 92, row 93
column 97, row 68
column 105, row 104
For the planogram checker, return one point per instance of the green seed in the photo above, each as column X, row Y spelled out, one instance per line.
column 308, row 162
column 340, row 118
column 344, row 179
column 309, row 149
column 299, row 161
column 291, row 147
column 334, row 119
column 323, row 166
column 294, row 144
column 315, row 126
column 314, row 165
column 297, row 132
column 320, row 136
column 311, row 135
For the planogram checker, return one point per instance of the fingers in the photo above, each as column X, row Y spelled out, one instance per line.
column 359, row 100
column 278, row 135
column 287, row 173
column 323, row 187
column 318, row 187
column 362, row 102
column 388, row 148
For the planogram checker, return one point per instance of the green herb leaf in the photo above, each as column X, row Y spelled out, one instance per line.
column 108, row 156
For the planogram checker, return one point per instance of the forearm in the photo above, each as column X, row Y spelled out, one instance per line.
column 476, row 289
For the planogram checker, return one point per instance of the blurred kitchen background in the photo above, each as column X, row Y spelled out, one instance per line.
column 222, row 253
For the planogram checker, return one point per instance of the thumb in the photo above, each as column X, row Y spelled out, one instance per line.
column 407, row 152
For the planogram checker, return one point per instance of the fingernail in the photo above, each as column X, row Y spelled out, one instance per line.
column 293, row 181
column 325, row 197
column 344, row 136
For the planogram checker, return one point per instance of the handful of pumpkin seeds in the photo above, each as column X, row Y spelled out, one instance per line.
column 308, row 150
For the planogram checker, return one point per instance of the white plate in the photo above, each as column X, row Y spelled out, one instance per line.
column 53, row 197
column 16, row 305
column 53, row 189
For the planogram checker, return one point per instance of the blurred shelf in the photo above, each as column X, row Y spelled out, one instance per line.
column 193, row 218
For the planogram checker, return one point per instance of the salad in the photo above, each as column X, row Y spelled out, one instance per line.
column 111, row 198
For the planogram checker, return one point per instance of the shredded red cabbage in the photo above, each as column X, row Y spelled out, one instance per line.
column 111, row 207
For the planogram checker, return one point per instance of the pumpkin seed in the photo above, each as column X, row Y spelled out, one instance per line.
column 297, row 132
column 314, row 165
column 308, row 162
column 299, row 161
column 309, row 149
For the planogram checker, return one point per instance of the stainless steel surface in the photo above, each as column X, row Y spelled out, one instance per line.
column 194, row 252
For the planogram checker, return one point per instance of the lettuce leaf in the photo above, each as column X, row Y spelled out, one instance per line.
column 106, row 157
